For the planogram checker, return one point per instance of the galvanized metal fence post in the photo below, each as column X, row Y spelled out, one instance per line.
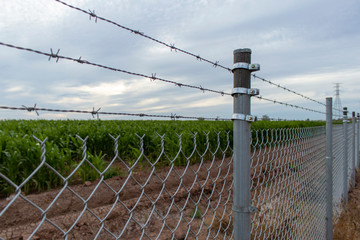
column 329, row 168
column 241, row 140
column 345, row 165
column 353, row 149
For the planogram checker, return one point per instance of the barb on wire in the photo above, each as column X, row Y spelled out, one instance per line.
column 287, row 89
column 97, row 113
column 79, row 60
column 171, row 45
column 289, row 104
column 153, row 77
column 52, row 55
column 31, row 109
column 92, row 15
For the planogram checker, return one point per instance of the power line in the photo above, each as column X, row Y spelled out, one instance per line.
column 337, row 103
column 82, row 61
column 97, row 113
column 171, row 45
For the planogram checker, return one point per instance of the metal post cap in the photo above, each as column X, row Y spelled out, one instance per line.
column 242, row 50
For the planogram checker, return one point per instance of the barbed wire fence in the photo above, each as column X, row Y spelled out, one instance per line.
column 285, row 196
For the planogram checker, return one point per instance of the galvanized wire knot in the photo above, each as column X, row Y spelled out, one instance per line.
column 92, row 14
column 172, row 47
column 81, row 61
column 52, row 55
column 31, row 109
column 137, row 32
column 153, row 77
column 216, row 64
column 93, row 113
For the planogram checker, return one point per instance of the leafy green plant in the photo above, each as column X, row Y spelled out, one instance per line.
column 197, row 213
column 92, row 167
column 295, row 168
column 20, row 154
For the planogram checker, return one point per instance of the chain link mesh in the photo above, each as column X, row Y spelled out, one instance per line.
column 338, row 169
column 351, row 156
column 149, row 200
column 288, row 183
column 186, row 195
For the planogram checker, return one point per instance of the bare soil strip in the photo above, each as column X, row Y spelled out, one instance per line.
column 169, row 198
column 348, row 225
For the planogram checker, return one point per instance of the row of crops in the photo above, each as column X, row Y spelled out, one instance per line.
column 20, row 153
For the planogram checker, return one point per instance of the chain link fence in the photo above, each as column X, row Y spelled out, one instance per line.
column 157, row 198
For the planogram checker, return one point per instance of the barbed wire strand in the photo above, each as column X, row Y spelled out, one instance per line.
column 171, row 45
column 289, row 104
column 287, row 89
column 82, row 61
column 293, row 92
column 97, row 113
column 276, row 119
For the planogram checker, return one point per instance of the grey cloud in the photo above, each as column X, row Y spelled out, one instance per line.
column 291, row 40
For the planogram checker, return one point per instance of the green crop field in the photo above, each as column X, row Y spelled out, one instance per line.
column 20, row 153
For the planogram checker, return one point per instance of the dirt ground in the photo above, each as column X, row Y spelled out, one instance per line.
column 348, row 225
column 178, row 203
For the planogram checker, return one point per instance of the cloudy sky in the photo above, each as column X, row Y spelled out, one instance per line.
column 306, row 46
